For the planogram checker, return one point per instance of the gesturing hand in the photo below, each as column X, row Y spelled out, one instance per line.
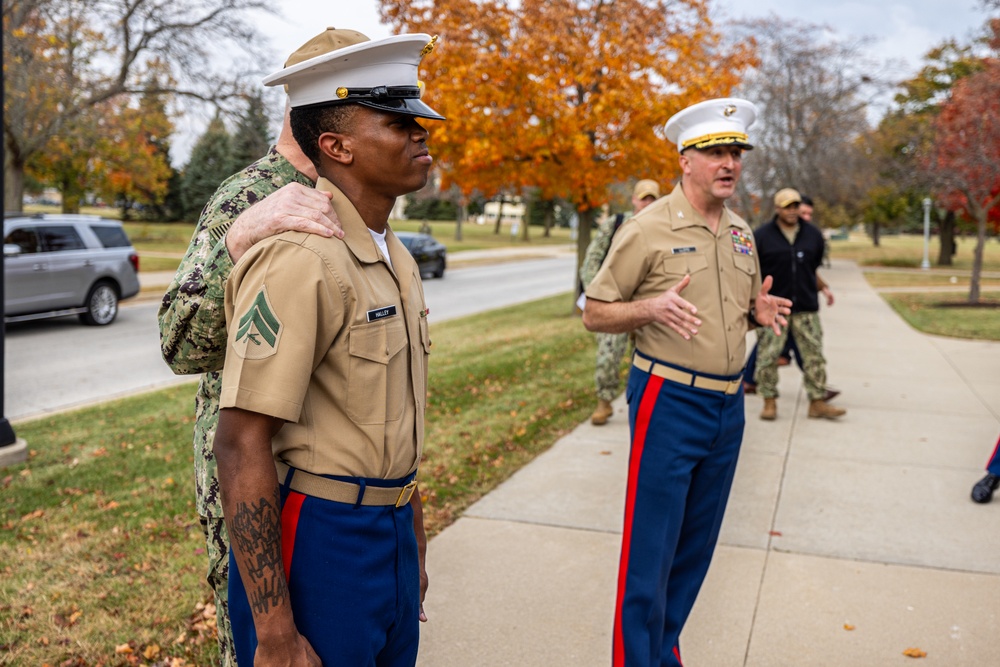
column 674, row 311
column 770, row 310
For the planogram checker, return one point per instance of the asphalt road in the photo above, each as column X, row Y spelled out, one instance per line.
column 52, row 365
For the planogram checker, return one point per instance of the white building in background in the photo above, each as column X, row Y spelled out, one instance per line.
column 398, row 211
column 513, row 212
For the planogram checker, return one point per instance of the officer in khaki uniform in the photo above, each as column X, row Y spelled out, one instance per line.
column 685, row 390
column 324, row 387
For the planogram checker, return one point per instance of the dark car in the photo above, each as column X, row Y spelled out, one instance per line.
column 429, row 253
column 67, row 264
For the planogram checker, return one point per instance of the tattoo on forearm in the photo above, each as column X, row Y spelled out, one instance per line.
column 257, row 532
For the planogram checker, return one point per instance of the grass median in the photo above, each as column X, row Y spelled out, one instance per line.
column 101, row 550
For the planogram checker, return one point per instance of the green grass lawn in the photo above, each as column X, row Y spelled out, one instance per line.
column 946, row 314
column 911, row 278
column 101, row 551
column 907, row 251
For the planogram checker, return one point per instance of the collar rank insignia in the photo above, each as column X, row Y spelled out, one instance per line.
column 259, row 329
column 742, row 242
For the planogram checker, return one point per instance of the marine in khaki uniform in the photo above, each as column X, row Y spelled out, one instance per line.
column 274, row 194
column 683, row 276
column 324, row 387
column 611, row 347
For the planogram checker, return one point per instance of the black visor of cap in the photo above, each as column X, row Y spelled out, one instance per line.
column 400, row 99
column 404, row 105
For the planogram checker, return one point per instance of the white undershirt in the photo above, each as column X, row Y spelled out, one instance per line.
column 380, row 242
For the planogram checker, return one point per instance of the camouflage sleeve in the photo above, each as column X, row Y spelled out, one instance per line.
column 192, row 316
column 596, row 251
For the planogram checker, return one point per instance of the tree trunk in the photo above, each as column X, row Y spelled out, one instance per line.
column 977, row 255
column 13, row 183
column 525, row 219
column 496, row 230
column 876, row 232
column 549, row 214
column 947, row 232
column 463, row 215
column 126, row 213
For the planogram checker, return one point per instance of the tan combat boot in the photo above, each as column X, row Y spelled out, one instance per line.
column 820, row 409
column 770, row 411
column 601, row 413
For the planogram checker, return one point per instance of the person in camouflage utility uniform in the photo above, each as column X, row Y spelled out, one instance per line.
column 791, row 250
column 245, row 209
column 611, row 347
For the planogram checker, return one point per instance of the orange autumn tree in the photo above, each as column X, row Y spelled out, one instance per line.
column 112, row 151
column 566, row 96
column 135, row 153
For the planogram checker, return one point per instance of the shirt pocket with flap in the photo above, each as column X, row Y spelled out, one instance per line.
column 675, row 267
column 746, row 269
column 377, row 379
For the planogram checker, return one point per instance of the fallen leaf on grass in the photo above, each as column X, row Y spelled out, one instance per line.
column 37, row 514
column 124, row 649
column 64, row 621
column 100, row 451
column 915, row 653
column 152, row 652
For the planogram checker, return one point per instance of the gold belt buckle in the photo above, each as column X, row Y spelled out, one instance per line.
column 406, row 493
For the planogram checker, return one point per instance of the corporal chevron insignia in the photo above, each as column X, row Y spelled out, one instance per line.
column 259, row 329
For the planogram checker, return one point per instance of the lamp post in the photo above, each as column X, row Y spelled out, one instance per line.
column 12, row 449
column 926, row 264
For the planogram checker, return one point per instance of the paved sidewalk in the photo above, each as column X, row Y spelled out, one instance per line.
column 844, row 544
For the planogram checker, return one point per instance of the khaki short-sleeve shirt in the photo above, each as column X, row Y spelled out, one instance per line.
column 654, row 250
column 325, row 335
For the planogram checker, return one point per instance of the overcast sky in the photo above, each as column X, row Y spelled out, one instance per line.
column 902, row 30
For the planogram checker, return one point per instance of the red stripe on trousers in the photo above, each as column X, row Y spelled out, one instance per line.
column 995, row 449
column 642, row 418
column 289, row 524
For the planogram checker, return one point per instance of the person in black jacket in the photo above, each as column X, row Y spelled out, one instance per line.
column 790, row 250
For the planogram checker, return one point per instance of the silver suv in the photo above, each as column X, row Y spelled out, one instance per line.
column 67, row 264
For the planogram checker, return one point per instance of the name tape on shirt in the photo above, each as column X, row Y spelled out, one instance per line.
column 742, row 242
column 381, row 313
column 685, row 249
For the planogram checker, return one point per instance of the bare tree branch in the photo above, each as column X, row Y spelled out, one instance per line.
column 65, row 57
